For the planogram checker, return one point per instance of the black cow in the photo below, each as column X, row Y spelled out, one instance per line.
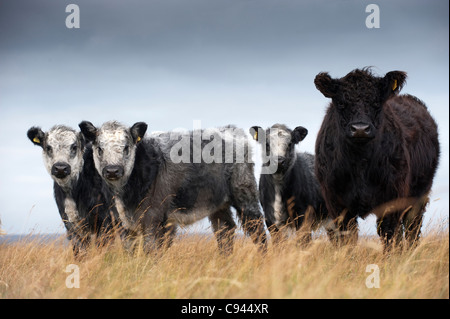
column 160, row 182
column 288, row 188
column 376, row 152
column 83, row 200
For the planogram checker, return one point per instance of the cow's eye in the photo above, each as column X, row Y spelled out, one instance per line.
column 126, row 150
column 100, row 151
column 48, row 149
column 74, row 148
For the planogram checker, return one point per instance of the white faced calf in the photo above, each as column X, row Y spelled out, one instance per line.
column 114, row 149
column 154, row 193
column 83, row 203
column 289, row 194
column 278, row 143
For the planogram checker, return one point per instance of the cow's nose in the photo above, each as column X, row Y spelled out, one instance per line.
column 113, row 172
column 360, row 130
column 61, row 170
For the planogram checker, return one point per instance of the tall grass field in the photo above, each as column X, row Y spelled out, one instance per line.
column 193, row 268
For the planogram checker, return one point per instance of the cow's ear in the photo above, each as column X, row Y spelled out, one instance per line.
column 298, row 134
column 256, row 132
column 326, row 85
column 392, row 83
column 36, row 135
column 138, row 131
column 88, row 130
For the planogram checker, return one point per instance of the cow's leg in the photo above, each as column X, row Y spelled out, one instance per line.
column 339, row 219
column 253, row 225
column 343, row 228
column 347, row 228
column 159, row 237
column 276, row 235
column 80, row 246
column 304, row 236
column 304, row 225
column 412, row 221
column 390, row 230
column 80, row 240
column 330, row 228
column 245, row 200
column 106, row 231
column 170, row 231
column 224, row 226
column 158, row 231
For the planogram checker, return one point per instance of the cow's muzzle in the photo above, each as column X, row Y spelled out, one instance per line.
column 361, row 132
column 113, row 172
column 281, row 162
column 61, row 170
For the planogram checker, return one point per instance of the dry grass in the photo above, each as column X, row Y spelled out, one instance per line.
column 193, row 268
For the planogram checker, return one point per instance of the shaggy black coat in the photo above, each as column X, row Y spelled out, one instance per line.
column 376, row 152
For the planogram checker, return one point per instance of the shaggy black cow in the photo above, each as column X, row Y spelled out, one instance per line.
column 376, row 152
column 289, row 191
column 160, row 182
column 83, row 201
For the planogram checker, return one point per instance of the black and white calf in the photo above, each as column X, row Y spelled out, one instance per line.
column 83, row 200
column 289, row 191
column 159, row 182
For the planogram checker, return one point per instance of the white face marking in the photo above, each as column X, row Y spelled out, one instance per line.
column 114, row 146
column 71, row 211
column 62, row 145
column 279, row 142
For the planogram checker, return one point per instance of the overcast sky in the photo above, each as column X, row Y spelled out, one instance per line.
column 169, row 63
